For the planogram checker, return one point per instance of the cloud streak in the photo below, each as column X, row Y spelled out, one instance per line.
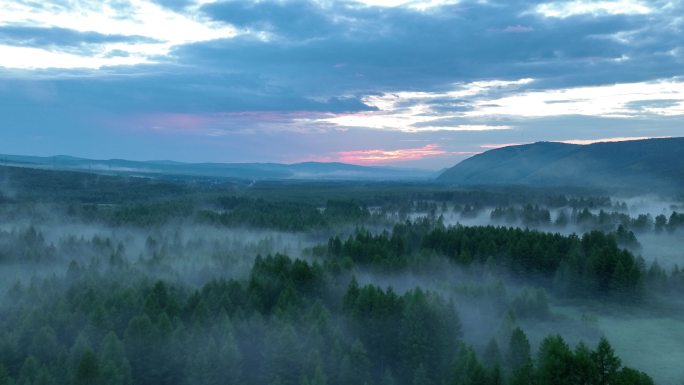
column 409, row 111
column 656, row 98
column 481, row 106
column 565, row 9
column 162, row 27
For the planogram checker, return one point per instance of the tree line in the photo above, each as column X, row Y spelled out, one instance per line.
column 590, row 265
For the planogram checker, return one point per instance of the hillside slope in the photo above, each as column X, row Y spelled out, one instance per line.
column 644, row 165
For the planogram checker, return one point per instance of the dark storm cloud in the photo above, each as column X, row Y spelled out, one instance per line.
column 294, row 19
column 190, row 92
column 346, row 48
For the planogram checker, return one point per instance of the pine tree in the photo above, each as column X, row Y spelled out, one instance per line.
column 555, row 362
column 418, row 342
column 523, row 375
column 29, row 371
column 492, row 354
column 228, row 356
column 44, row 345
column 584, row 371
column 468, row 369
column 116, row 370
column 88, row 371
column 81, row 345
column 518, row 349
column 607, row 364
column 5, row 379
column 44, row 377
column 494, row 375
column 360, row 364
column 629, row 376
column 420, row 376
column 318, row 377
column 139, row 339
column 387, row 378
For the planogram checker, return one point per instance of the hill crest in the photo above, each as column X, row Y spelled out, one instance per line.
column 649, row 165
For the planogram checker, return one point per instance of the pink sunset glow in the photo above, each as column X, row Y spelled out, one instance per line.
column 384, row 156
column 499, row 145
column 178, row 121
column 219, row 123
column 604, row 140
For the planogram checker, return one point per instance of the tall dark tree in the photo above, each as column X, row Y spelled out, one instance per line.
column 29, row 371
column 88, row 371
column 468, row 369
column 116, row 369
column 5, row 378
column 606, row 362
column 555, row 362
column 518, row 349
column 585, row 371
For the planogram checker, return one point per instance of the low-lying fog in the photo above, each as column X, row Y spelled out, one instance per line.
column 648, row 339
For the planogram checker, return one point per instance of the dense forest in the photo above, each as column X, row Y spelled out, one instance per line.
column 122, row 281
column 591, row 265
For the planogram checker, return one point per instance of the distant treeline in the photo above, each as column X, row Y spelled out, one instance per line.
column 586, row 266
column 536, row 216
column 228, row 211
column 25, row 184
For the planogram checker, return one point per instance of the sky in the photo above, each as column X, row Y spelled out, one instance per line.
column 406, row 83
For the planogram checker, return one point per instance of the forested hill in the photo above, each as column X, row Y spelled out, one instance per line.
column 652, row 165
column 245, row 171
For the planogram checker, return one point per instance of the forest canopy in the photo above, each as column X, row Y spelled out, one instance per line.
column 123, row 281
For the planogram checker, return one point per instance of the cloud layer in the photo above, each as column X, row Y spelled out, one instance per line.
column 295, row 80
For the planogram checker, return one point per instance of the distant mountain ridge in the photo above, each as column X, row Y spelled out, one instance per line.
column 644, row 165
column 253, row 171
